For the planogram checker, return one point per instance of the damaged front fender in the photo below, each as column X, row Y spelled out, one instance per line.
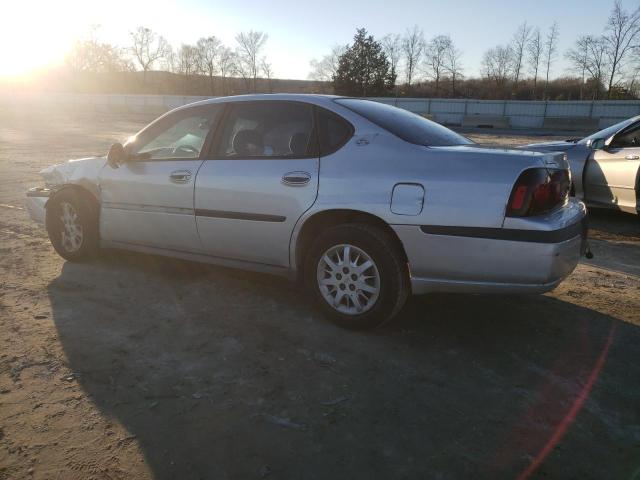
column 83, row 172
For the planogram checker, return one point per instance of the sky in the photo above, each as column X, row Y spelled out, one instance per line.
column 38, row 33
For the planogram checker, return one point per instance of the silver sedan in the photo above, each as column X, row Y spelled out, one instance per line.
column 605, row 166
column 363, row 202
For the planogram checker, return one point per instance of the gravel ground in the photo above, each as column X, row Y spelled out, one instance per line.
column 135, row 366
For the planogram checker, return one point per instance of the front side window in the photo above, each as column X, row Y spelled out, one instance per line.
column 404, row 124
column 628, row 139
column 268, row 129
column 179, row 136
column 607, row 132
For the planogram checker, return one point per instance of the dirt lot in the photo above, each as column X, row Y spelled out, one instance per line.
column 136, row 366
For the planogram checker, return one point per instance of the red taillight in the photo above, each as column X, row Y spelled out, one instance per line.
column 537, row 191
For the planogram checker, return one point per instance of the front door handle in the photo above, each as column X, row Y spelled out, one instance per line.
column 180, row 176
column 296, row 179
column 632, row 157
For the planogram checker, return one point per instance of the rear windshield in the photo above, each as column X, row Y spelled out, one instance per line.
column 404, row 124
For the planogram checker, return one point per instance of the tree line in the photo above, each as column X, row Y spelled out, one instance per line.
column 208, row 57
column 605, row 65
column 600, row 66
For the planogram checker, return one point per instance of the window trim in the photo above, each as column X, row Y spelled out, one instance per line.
column 180, row 114
column 229, row 106
column 348, row 137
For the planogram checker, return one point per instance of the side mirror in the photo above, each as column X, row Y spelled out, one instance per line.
column 116, row 156
column 597, row 144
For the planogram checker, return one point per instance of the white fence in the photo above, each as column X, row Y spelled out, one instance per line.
column 521, row 114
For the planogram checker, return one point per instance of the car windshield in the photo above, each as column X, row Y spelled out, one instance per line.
column 607, row 132
column 404, row 124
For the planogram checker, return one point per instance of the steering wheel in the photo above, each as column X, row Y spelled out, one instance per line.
column 186, row 149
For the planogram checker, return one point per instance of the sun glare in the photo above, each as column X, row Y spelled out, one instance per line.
column 40, row 33
column 34, row 38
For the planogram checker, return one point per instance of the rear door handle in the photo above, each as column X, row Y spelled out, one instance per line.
column 632, row 157
column 296, row 179
column 180, row 176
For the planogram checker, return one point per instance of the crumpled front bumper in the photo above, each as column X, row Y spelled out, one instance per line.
column 37, row 199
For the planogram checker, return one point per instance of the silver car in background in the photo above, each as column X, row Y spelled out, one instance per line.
column 605, row 166
column 364, row 202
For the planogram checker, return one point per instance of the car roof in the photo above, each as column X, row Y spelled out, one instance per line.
column 314, row 98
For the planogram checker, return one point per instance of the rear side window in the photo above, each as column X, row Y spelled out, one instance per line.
column 333, row 131
column 268, row 129
column 404, row 124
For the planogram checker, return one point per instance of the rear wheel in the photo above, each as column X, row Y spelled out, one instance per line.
column 357, row 275
column 72, row 225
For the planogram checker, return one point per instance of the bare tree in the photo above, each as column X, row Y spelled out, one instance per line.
column 148, row 47
column 633, row 83
column 267, row 71
column 207, row 58
column 392, row 47
column 550, row 49
column 226, row 65
column 621, row 37
column 453, row 66
column 597, row 64
column 436, row 57
column 91, row 55
column 413, row 45
column 578, row 57
column 250, row 45
column 187, row 60
column 520, row 42
column 497, row 64
column 534, row 53
column 325, row 68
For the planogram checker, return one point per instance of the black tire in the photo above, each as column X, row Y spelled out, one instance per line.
column 86, row 211
column 393, row 289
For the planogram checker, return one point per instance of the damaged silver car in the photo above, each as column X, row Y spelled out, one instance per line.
column 363, row 202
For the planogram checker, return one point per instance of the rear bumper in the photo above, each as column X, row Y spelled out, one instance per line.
column 37, row 199
column 506, row 260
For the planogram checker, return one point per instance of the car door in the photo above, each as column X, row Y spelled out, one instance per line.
column 149, row 199
column 612, row 173
column 261, row 176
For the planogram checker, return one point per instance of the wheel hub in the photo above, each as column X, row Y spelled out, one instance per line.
column 71, row 232
column 348, row 279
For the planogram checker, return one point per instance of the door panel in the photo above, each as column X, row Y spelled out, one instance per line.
column 149, row 199
column 263, row 176
column 142, row 204
column 245, row 211
column 610, row 177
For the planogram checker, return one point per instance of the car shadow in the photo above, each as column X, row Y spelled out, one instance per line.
column 615, row 241
column 227, row 374
column 615, row 224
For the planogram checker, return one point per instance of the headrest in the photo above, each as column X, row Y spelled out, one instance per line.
column 248, row 143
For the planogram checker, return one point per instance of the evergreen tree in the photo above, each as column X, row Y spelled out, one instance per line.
column 363, row 69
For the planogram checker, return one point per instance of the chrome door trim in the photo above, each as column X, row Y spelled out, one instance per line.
column 147, row 208
column 258, row 217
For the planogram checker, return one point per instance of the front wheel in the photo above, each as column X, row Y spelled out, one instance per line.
column 357, row 275
column 72, row 225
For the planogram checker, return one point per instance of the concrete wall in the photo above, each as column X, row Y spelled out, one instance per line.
column 521, row 114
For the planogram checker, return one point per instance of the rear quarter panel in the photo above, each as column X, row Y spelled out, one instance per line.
column 464, row 186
